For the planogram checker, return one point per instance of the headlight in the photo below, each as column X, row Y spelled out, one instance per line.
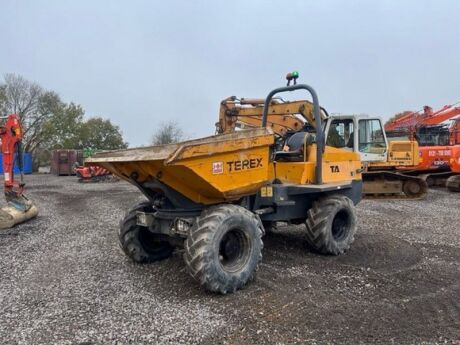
column 182, row 225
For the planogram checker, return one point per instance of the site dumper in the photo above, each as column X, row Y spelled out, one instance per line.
column 214, row 197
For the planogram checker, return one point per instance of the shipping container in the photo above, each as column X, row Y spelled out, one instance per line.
column 63, row 161
column 80, row 157
column 27, row 158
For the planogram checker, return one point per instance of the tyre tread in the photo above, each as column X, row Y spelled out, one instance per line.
column 198, row 257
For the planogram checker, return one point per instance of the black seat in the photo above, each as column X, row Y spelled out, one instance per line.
column 351, row 141
column 295, row 143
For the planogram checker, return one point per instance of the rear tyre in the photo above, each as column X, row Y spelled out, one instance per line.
column 453, row 183
column 224, row 248
column 137, row 242
column 331, row 225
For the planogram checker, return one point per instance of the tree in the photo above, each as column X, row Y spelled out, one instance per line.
column 20, row 96
column 100, row 134
column 167, row 133
column 49, row 123
column 63, row 128
column 35, row 124
column 31, row 103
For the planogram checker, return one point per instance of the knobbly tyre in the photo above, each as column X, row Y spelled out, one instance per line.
column 214, row 197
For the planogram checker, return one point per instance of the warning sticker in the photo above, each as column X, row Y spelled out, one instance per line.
column 217, row 168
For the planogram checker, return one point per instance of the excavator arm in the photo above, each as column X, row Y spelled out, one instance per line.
column 283, row 116
column 19, row 208
column 414, row 120
column 11, row 136
column 446, row 113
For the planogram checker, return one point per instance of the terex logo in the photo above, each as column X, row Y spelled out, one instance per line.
column 334, row 169
column 244, row 164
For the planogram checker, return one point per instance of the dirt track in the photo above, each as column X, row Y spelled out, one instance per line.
column 64, row 280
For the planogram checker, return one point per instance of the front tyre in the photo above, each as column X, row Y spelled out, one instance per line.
column 224, row 248
column 331, row 225
column 137, row 242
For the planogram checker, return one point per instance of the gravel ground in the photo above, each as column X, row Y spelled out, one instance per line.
column 63, row 279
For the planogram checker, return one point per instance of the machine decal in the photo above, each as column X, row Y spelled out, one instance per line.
column 434, row 153
column 335, row 169
column 217, row 168
column 266, row 192
column 245, row 164
column 440, row 162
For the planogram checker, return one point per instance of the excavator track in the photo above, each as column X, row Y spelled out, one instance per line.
column 437, row 179
column 453, row 184
column 391, row 185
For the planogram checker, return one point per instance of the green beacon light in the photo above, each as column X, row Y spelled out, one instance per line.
column 292, row 76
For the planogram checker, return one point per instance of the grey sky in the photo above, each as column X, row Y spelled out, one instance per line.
column 143, row 62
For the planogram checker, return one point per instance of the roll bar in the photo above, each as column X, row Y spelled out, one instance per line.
column 316, row 113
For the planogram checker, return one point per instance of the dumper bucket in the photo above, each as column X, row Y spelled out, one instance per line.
column 209, row 170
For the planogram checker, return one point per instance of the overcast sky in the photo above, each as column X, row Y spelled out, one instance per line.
column 141, row 63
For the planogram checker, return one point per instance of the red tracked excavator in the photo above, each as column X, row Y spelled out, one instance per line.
column 19, row 208
column 93, row 173
column 439, row 144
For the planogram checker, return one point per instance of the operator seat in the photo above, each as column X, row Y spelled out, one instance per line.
column 351, row 141
column 295, row 144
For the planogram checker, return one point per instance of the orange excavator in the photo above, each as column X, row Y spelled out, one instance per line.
column 439, row 144
column 19, row 208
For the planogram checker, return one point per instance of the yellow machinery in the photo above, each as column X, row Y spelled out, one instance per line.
column 358, row 133
column 214, row 197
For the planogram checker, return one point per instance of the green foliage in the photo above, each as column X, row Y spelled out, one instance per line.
column 63, row 127
column 100, row 134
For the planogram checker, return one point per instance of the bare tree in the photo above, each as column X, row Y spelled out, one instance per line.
column 20, row 95
column 167, row 133
column 31, row 103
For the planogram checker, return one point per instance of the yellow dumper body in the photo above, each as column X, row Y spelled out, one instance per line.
column 225, row 167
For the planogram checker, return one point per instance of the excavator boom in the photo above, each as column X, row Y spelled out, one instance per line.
column 283, row 116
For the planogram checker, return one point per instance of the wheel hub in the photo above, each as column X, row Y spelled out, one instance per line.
column 414, row 188
column 340, row 225
column 234, row 250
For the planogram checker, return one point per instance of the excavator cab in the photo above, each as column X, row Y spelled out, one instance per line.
column 358, row 133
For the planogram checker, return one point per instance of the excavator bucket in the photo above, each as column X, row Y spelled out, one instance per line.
column 18, row 210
